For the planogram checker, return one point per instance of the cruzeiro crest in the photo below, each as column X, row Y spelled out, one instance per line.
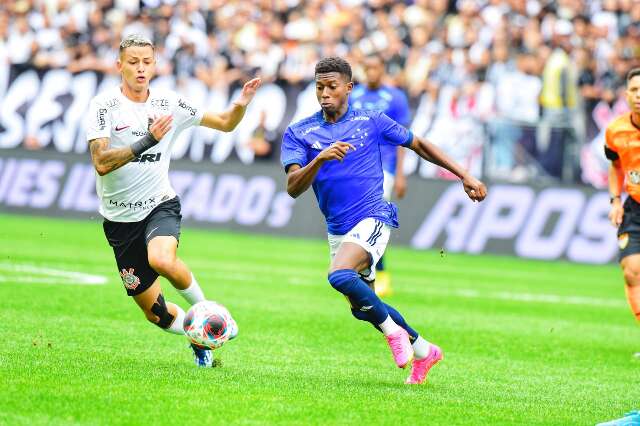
column 129, row 280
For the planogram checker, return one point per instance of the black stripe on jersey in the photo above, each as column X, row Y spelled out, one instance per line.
column 610, row 154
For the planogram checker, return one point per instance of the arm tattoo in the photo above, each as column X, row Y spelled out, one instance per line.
column 107, row 159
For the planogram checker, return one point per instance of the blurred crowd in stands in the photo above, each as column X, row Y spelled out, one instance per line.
column 540, row 78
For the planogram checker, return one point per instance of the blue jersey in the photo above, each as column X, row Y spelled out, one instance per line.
column 391, row 101
column 351, row 190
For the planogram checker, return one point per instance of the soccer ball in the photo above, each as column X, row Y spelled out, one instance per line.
column 208, row 325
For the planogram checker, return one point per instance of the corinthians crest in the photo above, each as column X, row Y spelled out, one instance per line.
column 623, row 241
column 129, row 280
column 634, row 177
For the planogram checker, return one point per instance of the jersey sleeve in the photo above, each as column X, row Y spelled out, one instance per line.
column 292, row 150
column 610, row 149
column 186, row 115
column 98, row 122
column 392, row 131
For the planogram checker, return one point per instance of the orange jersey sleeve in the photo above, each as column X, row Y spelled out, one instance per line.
column 609, row 138
column 622, row 141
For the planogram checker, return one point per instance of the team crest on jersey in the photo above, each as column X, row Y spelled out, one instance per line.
column 623, row 241
column 634, row 177
column 129, row 280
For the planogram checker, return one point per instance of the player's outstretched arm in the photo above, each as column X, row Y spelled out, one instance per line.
column 107, row 159
column 299, row 179
column 475, row 189
column 228, row 120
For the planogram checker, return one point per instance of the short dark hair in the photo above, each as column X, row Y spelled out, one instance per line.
column 334, row 64
column 633, row 73
column 375, row 56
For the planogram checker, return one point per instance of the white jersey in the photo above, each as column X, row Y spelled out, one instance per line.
column 129, row 193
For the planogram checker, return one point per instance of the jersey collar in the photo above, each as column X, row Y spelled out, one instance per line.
column 343, row 118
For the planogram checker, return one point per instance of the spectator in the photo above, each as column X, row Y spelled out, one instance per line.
column 445, row 53
column 558, row 100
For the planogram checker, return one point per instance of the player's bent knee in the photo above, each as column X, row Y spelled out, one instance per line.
column 631, row 275
column 342, row 279
column 161, row 264
column 159, row 313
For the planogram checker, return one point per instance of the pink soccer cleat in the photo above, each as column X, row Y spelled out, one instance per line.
column 400, row 347
column 422, row 366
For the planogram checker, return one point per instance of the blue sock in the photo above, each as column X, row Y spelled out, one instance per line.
column 348, row 282
column 399, row 319
column 380, row 264
column 395, row 316
column 363, row 316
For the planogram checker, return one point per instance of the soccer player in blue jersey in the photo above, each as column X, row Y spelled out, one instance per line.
column 393, row 102
column 337, row 151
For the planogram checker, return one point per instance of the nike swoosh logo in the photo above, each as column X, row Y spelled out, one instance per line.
column 118, row 129
column 152, row 231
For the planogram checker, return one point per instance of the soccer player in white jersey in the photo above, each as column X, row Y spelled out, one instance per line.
column 131, row 130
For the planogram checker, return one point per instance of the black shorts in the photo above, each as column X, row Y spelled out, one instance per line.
column 129, row 242
column 629, row 230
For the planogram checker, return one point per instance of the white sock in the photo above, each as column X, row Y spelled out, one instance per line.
column 388, row 326
column 192, row 294
column 176, row 325
column 421, row 348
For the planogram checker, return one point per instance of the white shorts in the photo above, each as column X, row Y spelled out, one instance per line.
column 370, row 234
column 387, row 185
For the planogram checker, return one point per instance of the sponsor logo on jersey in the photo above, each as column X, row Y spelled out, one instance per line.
column 101, row 120
column 139, row 133
column 182, row 104
column 135, row 206
column 360, row 118
column 310, row 129
column 129, row 280
column 162, row 104
column 144, row 158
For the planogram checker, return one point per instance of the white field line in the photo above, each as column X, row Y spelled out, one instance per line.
column 32, row 274
column 24, row 273
column 303, row 278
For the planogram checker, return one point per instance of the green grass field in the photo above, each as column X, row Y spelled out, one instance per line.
column 525, row 342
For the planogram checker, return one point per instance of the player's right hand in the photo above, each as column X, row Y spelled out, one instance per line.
column 474, row 188
column 336, row 151
column 616, row 213
column 160, row 126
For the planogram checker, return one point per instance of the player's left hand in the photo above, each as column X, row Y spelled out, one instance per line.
column 474, row 188
column 400, row 186
column 248, row 91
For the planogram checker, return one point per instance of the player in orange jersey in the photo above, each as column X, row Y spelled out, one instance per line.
column 623, row 149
